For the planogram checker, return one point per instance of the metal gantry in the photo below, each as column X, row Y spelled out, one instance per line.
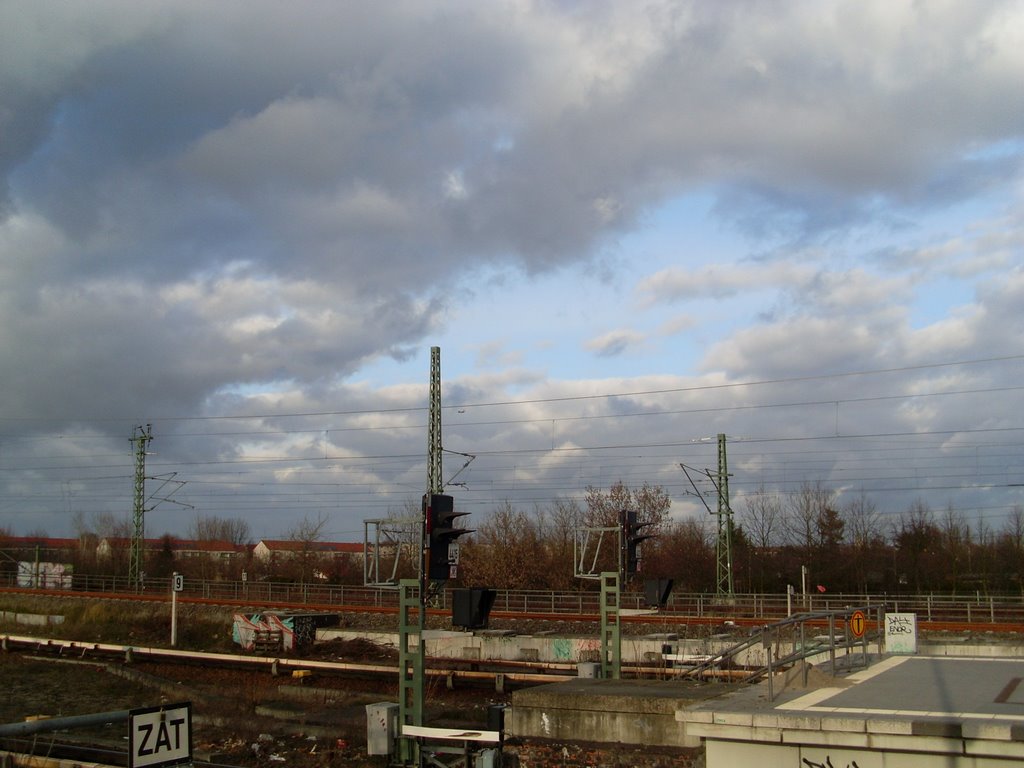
column 385, row 542
column 586, row 547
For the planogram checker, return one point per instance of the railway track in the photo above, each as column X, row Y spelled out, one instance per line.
column 934, row 619
column 453, row 670
column 62, row 751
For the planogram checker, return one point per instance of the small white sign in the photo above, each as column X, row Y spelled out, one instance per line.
column 179, row 582
column 159, row 736
column 453, row 553
column 901, row 633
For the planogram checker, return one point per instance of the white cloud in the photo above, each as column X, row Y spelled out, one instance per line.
column 240, row 207
column 719, row 281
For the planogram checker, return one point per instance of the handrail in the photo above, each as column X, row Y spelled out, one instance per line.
column 768, row 633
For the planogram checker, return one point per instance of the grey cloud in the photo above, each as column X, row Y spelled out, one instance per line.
column 200, row 199
column 614, row 343
column 201, row 119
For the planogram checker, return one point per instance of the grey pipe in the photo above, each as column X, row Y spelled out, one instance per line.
column 60, row 723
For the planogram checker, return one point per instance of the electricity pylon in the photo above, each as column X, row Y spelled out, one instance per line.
column 141, row 437
column 434, row 450
column 413, row 594
column 723, row 547
column 723, row 540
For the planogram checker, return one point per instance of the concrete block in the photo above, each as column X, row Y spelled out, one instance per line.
column 986, row 748
column 991, row 731
column 800, row 722
column 695, row 716
column 766, row 721
column 889, row 726
column 847, row 724
column 766, row 735
column 734, row 718
column 529, row 654
column 826, row 738
column 932, row 744
column 946, row 729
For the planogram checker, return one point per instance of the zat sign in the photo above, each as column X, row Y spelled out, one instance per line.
column 159, row 736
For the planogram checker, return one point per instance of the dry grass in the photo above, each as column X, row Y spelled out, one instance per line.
column 116, row 621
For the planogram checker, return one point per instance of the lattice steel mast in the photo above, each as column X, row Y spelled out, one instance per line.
column 413, row 594
column 141, row 437
column 434, row 482
column 723, row 546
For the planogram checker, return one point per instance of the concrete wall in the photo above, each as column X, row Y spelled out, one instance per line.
column 643, row 650
column 605, row 711
column 981, row 746
column 646, row 650
column 30, row 619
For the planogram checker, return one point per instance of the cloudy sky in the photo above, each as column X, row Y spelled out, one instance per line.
column 628, row 226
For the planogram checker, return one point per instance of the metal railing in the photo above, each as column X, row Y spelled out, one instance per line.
column 973, row 608
column 780, row 645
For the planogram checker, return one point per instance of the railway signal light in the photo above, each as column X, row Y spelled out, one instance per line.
column 631, row 540
column 442, row 536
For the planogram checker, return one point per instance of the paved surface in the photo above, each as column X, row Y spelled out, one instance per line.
column 990, row 689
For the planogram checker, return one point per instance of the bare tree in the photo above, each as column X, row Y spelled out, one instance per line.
column 603, row 511
column 866, row 537
column 685, row 553
column 956, row 545
column 1011, row 549
column 107, row 525
column 863, row 523
column 557, row 526
column 804, row 517
column 651, row 503
column 213, row 528
column 506, row 551
column 307, row 530
column 918, row 547
column 762, row 517
column 308, row 557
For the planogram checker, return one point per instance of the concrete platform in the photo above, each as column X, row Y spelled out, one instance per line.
column 903, row 711
column 624, row 711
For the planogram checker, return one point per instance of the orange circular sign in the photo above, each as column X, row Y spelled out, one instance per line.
column 857, row 624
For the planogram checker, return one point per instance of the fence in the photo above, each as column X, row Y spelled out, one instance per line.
column 974, row 608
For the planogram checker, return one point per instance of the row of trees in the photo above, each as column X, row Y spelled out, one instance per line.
column 843, row 544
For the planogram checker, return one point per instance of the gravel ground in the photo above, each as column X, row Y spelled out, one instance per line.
column 232, row 708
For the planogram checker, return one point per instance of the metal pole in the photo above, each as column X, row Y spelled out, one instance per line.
column 174, row 614
column 832, row 642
